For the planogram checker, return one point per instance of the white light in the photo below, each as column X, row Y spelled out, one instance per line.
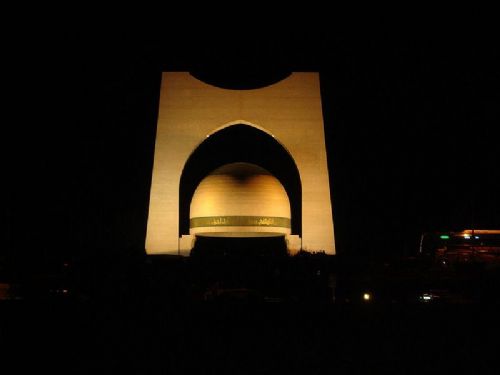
column 426, row 297
column 476, row 237
column 367, row 296
column 467, row 237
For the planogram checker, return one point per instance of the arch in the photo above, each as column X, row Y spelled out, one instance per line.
column 240, row 142
column 190, row 110
column 248, row 123
column 243, row 122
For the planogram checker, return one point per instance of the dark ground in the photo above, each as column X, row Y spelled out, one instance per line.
column 153, row 337
column 153, row 319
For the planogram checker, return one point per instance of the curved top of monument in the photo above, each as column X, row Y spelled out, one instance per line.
column 241, row 80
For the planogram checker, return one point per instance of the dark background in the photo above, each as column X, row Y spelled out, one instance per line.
column 410, row 118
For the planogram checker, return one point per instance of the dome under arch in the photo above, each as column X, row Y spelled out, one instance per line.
column 240, row 200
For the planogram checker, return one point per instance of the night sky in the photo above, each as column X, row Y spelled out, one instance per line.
column 409, row 120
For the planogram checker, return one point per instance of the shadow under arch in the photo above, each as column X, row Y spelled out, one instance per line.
column 240, row 143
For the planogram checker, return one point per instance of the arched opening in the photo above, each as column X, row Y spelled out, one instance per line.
column 246, row 144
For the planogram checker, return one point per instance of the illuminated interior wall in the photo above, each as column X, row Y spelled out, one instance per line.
column 190, row 110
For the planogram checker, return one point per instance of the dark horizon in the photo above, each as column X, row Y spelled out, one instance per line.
column 409, row 122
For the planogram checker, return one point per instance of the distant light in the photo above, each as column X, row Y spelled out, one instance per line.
column 65, row 291
column 476, row 237
column 444, row 237
column 426, row 297
column 466, row 236
column 367, row 296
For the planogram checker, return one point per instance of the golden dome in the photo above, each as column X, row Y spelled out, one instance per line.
column 240, row 200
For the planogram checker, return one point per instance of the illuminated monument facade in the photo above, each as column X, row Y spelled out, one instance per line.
column 240, row 163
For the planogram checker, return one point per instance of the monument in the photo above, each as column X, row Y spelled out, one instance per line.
column 240, row 163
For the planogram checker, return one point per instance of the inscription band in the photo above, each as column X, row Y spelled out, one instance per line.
column 239, row 221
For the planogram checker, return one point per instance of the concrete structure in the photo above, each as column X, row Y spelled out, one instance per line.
column 286, row 114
